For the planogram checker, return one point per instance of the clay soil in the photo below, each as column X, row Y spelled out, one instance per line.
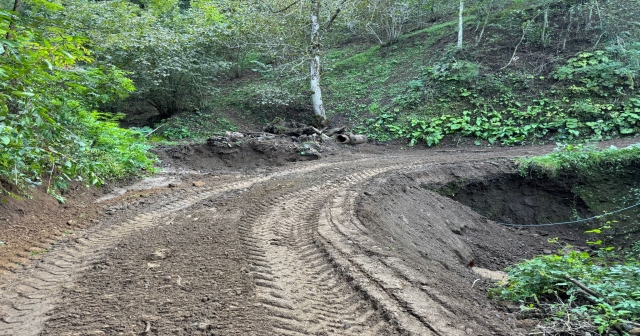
column 249, row 243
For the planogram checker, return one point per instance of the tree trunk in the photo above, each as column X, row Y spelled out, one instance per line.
column 12, row 25
column 318, row 107
column 460, row 24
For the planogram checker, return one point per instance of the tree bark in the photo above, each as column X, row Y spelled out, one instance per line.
column 460, row 24
column 318, row 106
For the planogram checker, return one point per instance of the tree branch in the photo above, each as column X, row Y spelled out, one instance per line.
column 334, row 15
column 286, row 8
column 587, row 289
column 12, row 25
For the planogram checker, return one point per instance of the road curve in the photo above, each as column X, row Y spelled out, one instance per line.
column 314, row 266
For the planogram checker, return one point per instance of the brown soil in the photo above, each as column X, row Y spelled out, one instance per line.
column 353, row 243
column 29, row 223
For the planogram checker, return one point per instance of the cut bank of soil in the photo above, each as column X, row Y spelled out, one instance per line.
column 345, row 245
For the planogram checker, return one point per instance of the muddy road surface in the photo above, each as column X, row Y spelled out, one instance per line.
column 348, row 245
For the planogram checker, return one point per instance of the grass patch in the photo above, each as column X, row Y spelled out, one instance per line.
column 35, row 253
column 437, row 31
column 578, row 159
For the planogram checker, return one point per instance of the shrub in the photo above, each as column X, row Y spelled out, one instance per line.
column 48, row 124
column 612, row 295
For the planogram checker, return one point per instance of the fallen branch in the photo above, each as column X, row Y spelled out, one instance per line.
column 157, row 128
column 524, row 33
column 587, row 289
column 593, row 293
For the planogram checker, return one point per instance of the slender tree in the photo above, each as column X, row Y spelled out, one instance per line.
column 318, row 106
column 460, row 24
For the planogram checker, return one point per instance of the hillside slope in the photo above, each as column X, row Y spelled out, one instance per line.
column 526, row 73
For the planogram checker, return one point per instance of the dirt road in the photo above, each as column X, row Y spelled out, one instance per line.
column 349, row 246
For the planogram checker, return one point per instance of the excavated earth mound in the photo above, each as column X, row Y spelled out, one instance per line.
column 352, row 244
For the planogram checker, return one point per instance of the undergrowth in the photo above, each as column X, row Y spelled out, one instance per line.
column 578, row 159
column 194, row 126
column 574, row 292
column 592, row 96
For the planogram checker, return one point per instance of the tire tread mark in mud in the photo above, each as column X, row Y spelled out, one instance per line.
column 39, row 284
column 302, row 227
column 298, row 275
column 385, row 278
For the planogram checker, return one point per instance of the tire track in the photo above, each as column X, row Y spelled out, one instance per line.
column 31, row 292
column 303, row 246
column 297, row 282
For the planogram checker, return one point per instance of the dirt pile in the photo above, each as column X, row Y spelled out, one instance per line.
column 246, row 151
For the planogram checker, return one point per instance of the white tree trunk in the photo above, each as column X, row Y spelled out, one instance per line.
column 318, row 107
column 460, row 24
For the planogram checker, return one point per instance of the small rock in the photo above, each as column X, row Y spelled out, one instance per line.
column 512, row 308
column 158, row 254
column 234, row 136
column 634, row 331
column 202, row 326
column 199, row 184
column 547, row 251
column 71, row 222
column 238, row 291
column 526, row 323
column 153, row 265
column 173, row 185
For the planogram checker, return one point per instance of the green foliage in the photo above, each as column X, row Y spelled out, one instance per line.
column 579, row 159
column 546, row 278
column 609, row 72
column 490, row 110
column 48, row 125
column 196, row 125
column 170, row 54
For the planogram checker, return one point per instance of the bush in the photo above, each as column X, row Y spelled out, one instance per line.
column 613, row 294
column 48, row 123
column 171, row 54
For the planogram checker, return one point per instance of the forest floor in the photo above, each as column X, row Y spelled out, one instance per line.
column 247, row 243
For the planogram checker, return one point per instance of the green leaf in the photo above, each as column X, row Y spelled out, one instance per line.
column 626, row 130
column 5, row 140
column 23, row 94
column 49, row 65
